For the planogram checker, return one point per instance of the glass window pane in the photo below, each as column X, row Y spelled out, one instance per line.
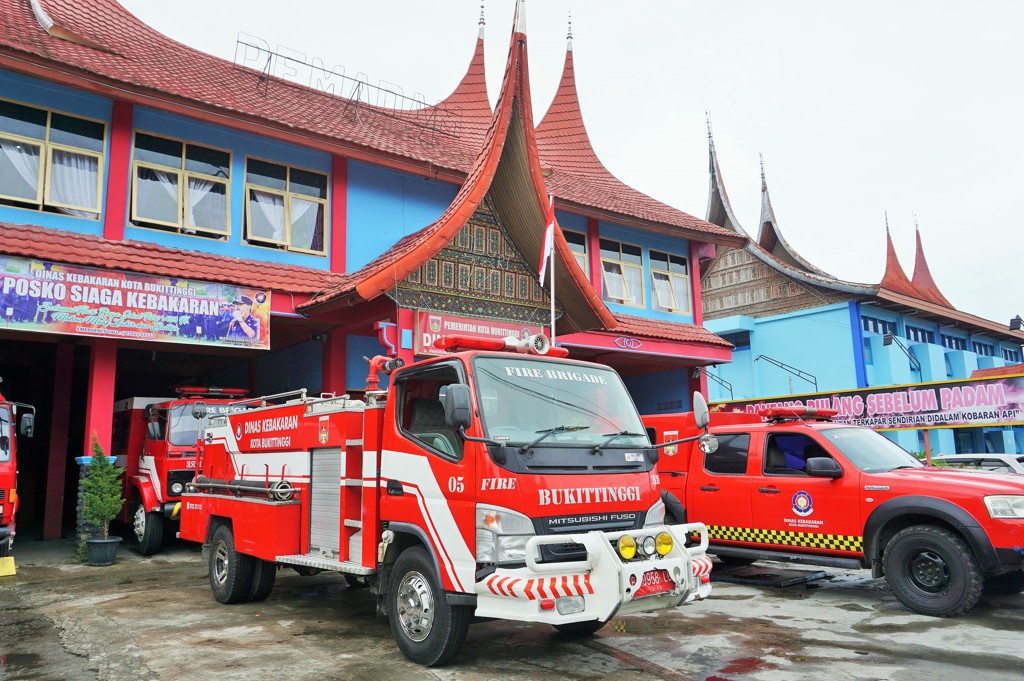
column 157, row 195
column 74, row 179
column 581, row 260
column 659, row 261
column 76, row 132
column 678, row 265
column 577, row 242
column 157, row 150
column 610, row 249
column 266, row 216
column 207, row 203
column 307, row 225
column 634, row 284
column 22, row 120
column 614, row 283
column 270, row 175
column 308, row 183
column 207, row 161
column 681, row 287
column 632, row 255
column 664, row 294
column 19, row 169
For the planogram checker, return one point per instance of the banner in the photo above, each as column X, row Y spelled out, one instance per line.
column 432, row 325
column 948, row 404
column 49, row 297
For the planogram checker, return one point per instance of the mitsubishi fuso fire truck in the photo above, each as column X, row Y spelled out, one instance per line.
column 9, row 466
column 483, row 482
column 155, row 441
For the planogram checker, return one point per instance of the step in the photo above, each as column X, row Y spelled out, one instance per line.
column 321, row 563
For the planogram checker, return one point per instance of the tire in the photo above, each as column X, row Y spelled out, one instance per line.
column 230, row 572
column 427, row 629
column 1007, row 584
column 263, row 575
column 5, row 547
column 148, row 528
column 931, row 570
column 580, row 629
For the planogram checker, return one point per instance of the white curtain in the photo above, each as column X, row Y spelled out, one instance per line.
column 155, row 187
column 664, row 293
column 634, row 281
column 212, row 213
column 19, row 163
column 74, row 179
column 271, row 208
column 307, row 227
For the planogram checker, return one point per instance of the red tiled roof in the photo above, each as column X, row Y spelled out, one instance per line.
column 469, row 99
column 994, row 372
column 894, row 278
column 673, row 331
column 580, row 178
column 923, row 277
column 146, row 258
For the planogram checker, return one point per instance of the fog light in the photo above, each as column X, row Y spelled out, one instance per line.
column 569, row 605
column 648, row 546
column 627, row 547
column 664, row 543
column 177, row 488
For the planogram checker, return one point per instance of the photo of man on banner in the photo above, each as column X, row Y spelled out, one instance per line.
column 242, row 324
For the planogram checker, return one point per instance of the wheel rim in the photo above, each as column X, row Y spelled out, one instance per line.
column 415, row 606
column 139, row 522
column 929, row 571
column 220, row 564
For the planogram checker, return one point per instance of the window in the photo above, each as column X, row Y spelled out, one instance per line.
column 954, row 343
column 983, row 349
column 622, row 273
column 1011, row 355
column 180, row 186
column 578, row 246
column 50, row 161
column 731, row 456
column 873, row 325
column 869, row 357
column 421, row 412
column 741, row 339
column 670, row 282
column 918, row 335
column 285, row 207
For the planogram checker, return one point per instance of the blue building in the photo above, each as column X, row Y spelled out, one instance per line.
column 798, row 330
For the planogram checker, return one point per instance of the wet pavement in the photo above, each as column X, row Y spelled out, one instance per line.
column 154, row 618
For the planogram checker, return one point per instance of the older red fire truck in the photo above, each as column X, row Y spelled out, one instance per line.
column 155, row 441
column 9, row 466
column 481, row 483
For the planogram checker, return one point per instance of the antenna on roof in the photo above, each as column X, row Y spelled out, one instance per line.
column 886, row 222
column 568, row 35
column 707, row 115
column 762, row 165
column 916, row 228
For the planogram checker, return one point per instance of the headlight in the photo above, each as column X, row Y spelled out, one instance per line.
column 177, row 488
column 501, row 535
column 655, row 515
column 1005, row 506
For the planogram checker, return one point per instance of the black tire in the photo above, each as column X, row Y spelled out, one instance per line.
column 5, row 547
column 730, row 562
column 148, row 528
column 427, row 629
column 580, row 629
column 230, row 571
column 1008, row 584
column 931, row 570
column 263, row 575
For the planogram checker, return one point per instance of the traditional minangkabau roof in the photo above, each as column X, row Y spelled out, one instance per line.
column 469, row 97
column 894, row 278
column 923, row 276
column 580, row 181
column 508, row 170
column 771, row 239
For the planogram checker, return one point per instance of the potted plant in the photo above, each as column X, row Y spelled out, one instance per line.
column 102, row 499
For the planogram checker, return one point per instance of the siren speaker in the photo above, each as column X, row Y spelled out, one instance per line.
column 537, row 344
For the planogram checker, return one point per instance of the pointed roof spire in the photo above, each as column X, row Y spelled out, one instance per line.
column 469, row 99
column 719, row 209
column 770, row 237
column 894, row 278
column 568, row 34
column 482, row 22
column 519, row 25
column 923, row 276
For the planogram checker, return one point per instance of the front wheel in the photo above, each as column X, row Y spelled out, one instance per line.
column 427, row 629
column 149, row 529
column 931, row 570
column 230, row 571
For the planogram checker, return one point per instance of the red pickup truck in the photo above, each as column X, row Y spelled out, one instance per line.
column 790, row 485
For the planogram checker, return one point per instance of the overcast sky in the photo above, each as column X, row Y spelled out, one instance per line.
column 858, row 107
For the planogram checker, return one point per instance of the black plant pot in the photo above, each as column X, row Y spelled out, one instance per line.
column 100, row 551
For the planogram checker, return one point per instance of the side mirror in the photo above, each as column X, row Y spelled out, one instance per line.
column 458, row 407
column 823, row 467
column 28, row 425
column 700, row 410
column 199, row 410
column 708, row 443
column 153, row 430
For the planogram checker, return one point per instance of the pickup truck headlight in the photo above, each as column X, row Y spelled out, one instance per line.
column 655, row 515
column 501, row 535
column 1005, row 506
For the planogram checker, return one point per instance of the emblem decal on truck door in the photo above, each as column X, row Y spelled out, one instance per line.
column 803, row 505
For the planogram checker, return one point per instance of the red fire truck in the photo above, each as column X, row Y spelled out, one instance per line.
column 9, row 466
column 482, row 482
column 155, row 441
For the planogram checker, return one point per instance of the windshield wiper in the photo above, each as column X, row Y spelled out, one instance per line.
column 612, row 437
column 551, row 431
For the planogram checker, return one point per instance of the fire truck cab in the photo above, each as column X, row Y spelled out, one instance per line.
column 155, row 441
column 487, row 483
column 9, row 465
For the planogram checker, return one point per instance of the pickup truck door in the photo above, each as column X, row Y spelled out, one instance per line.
column 792, row 509
column 718, row 491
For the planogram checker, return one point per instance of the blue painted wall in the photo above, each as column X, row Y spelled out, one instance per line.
column 660, row 392
column 294, row 367
column 356, row 368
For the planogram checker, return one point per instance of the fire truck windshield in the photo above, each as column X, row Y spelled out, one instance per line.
column 5, row 434
column 869, row 451
column 523, row 399
column 183, row 429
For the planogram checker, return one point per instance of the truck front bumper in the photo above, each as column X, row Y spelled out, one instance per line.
column 601, row 586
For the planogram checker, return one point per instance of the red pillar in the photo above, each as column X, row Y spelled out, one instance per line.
column 339, row 212
column 698, row 301
column 594, row 254
column 119, row 166
column 335, row 352
column 99, row 406
column 57, row 461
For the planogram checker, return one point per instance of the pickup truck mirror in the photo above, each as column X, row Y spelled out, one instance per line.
column 823, row 467
column 458, row 407
column 28, row 424
column 708, row 443
column 199, row 410
column 700, row 410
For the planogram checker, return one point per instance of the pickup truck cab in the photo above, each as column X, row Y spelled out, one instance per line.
column 790, row 485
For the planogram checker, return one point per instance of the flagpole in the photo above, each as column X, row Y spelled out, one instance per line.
column 552, row 268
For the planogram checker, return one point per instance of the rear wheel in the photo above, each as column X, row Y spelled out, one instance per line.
column 230, row 571
column 427, row 629
column 931, row 570
column 1005, row 585
column 5, row 547
column 263, row 575
column 149, row 529
column 580, row 629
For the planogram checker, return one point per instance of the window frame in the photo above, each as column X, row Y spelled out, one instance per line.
column 622, row 265
column 976, row 346
column 585, row 265
column 672, row 276
column 1010, row 355
column 916, row 334
column 288, row 197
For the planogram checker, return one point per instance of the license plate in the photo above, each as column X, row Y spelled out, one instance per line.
column 654, row 582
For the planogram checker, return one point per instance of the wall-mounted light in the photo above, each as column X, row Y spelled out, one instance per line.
column 1016, row 323
column 888, row 339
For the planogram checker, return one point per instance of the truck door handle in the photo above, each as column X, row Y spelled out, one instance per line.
column 675, row 474
column 395, row 488
column 769, row 490
column 709, row 488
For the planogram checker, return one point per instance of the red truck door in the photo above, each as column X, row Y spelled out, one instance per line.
column 718, row 491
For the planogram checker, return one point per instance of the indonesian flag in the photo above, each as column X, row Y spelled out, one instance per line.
column 546, row 251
